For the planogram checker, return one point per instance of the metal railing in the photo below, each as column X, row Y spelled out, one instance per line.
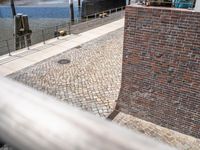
column 173, row 3
column 34, row 121
column 78, row 25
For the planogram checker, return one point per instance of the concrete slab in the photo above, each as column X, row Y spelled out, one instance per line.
column 16, row 65
column 4, row 70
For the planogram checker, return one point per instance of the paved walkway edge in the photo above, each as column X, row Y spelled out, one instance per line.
column 52, row 47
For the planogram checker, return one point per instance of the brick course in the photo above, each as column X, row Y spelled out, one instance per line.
column 161, row 67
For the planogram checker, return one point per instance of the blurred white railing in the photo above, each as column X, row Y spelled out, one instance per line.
column 30, row 120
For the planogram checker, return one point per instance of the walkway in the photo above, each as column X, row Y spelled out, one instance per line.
column 23, row 58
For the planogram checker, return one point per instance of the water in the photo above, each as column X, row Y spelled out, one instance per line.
column 36, row 2
column 42, row 14
column 39, row 8
column 39, row 12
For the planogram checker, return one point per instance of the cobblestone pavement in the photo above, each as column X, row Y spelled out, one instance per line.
column 90, row 81
column 173, row 138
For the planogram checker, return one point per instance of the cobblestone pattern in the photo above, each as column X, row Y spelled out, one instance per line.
column 173, row 138
column 161, row 67
column 90, row 81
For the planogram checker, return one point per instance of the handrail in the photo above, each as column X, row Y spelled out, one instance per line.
column 34, row 121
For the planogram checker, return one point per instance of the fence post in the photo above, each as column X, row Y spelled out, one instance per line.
column 8, row 48
column 122, row 11
column 14, row 34
column 102, row 19
column 43, row 36
column 69, row 26
column 27, row 41
column 57, row 34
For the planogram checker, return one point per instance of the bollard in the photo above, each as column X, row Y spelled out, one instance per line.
column 17, row 27
column 27, row 31
column 22, row 41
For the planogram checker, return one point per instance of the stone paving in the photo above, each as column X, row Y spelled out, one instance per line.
column 173, row 138
column 90, row 81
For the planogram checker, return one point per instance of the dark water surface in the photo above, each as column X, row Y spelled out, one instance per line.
column 39, row 12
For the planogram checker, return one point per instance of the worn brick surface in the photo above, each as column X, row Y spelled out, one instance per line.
column 161, row 67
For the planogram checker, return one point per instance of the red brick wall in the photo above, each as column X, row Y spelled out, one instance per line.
column 161, row 67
